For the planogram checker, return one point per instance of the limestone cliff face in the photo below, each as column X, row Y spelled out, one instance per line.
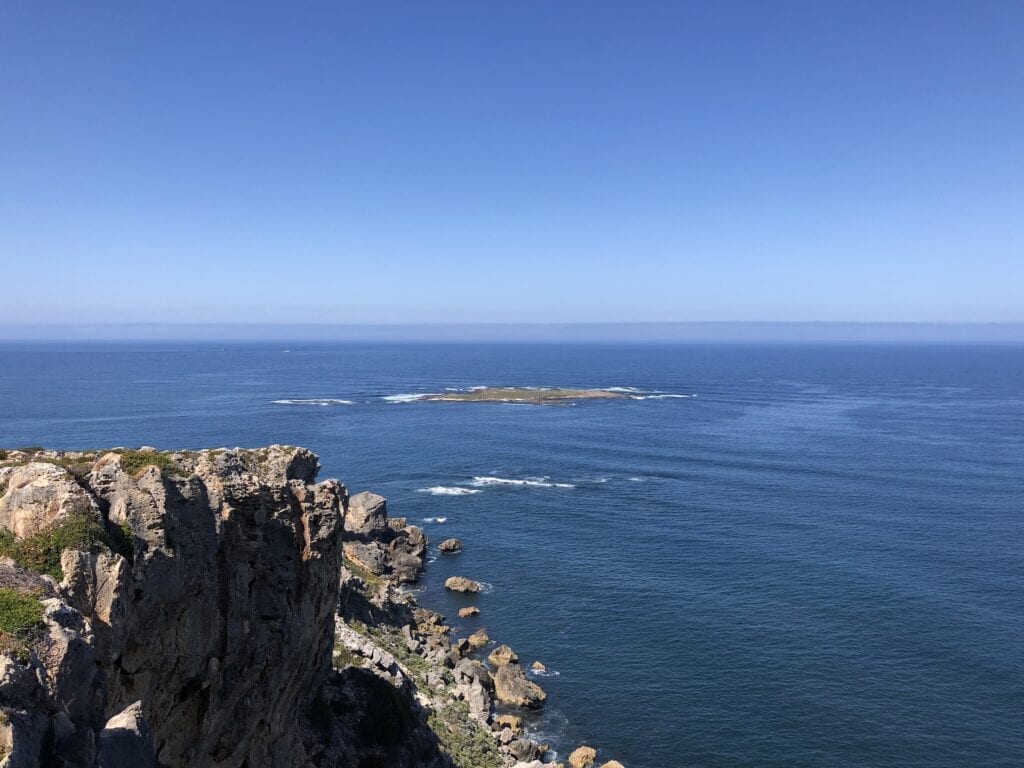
column 212, row 627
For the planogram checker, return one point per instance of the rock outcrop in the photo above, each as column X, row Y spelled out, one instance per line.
column 193, row 623
column 450, row 546
column 210, row 609
column 582, row 757
column 379, row 545
column 200, row 636
column 512, row 687
column 461, row 584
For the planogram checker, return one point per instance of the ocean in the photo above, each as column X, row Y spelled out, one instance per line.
column 816, row 559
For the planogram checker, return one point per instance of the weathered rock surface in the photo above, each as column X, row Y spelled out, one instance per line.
column 582, row 757
column 39, row 494
column 479, row 638
column 462, row 584
column 450, row 546
column 465, row 613
column 381, row 545
column 234, row 566
column 503, row 655
column 512, row 687
column 126, row 741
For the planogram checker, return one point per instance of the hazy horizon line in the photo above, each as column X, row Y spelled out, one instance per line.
column 638, row 331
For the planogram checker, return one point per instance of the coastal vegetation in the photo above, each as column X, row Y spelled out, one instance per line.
column 41, row 552
column 134, row 462
column 19, row 613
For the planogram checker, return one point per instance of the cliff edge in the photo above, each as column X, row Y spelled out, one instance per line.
column 170, row 608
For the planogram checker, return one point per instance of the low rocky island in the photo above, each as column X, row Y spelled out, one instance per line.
column 535, row 395
column 224, row 608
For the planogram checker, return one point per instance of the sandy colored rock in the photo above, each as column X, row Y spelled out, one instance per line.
column 612, row 764
column 582, row 757
column 538, row 667
column 450, row 546
column 503, row 655
column 479, row 638
column 461, row 584
column 512, row 687
column 465, row 613
column 38, row 495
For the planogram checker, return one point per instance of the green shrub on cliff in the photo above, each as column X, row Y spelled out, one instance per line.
column 462, row 738
column 19, row 613
column 133, row 462
column 41, row 552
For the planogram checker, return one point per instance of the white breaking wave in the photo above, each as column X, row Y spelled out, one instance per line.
column 622, row 389
column 532, row 482
column 658, row 397
column 636, row 479
column 315, row 401
column 405, row 398
column 544, row 672
column 441, row 520
column 445, row 490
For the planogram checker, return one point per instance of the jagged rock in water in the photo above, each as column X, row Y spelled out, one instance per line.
column 503, row 655
column 479, row 638
column 512, row 687
column 461, row 584
column 465, row 613
column 582, row 757
column 450, row 546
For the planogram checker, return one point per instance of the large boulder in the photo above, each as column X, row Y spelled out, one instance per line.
column 512, row 687
column 367, row 513
column 450, row 546
column 39, row 494
column 479, row 638
column 582, row 757
column 462, row 584
column 503, row 655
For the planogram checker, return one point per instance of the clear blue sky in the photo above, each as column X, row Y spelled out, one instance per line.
column 511, row 161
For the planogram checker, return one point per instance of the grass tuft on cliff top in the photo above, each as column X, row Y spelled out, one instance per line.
column 134, row 462
column 41, row 552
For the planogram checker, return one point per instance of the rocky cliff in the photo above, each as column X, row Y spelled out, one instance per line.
column 180, row 609
column 199, row 587
column 222, row 608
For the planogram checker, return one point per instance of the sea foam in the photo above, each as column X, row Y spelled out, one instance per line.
column 322, row 401
column 449, row 490
column 407, row 398
column 532, row 482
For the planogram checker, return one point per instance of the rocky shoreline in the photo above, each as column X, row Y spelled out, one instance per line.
column 223, row 608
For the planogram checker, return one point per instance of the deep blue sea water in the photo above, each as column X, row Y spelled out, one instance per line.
column 817, row 561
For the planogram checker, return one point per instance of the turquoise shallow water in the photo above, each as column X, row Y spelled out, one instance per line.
column 817, row 561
